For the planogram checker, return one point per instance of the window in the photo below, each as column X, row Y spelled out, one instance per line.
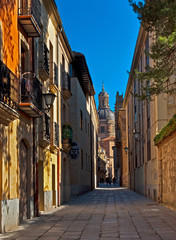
column 102, row 102
column 86, row 163
column 146, row 53
column 134, row 85
column 82, row 160
column 70, row 70
column 141, row 64
column 102, row 129
column 88, row 129
column 81, row 120
column 86, row 125
column 63, row 63
column 135, row 113
column 148, row 132
column 89, row 164
column 64, row 113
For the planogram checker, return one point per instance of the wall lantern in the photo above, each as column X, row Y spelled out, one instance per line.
column 126, row 149
column 49, row 100
column 136, row 134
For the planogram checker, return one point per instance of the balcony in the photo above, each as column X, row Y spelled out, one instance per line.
column 56, row 134
column 29, row 17
column 67, row 136
column 44, row 131
column 9, row 95
column 31, row 96
column 44, row 66
column 54, row 77
column 66, row 85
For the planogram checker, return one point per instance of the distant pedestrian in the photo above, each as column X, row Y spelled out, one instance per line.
column 107, row 180
column 114, row 181
column 110, row 181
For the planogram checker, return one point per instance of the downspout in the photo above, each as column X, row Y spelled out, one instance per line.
column 58, row 151
column 35, row 144
column 91, row 165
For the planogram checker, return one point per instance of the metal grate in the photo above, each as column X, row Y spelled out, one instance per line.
column 31, row 91
column 9, row 85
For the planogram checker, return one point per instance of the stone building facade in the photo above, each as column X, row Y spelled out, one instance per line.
column 84, row 121
column 35, row 138
column 144, row 119
column 165, row 142
column 106, row 128
column 120, row 170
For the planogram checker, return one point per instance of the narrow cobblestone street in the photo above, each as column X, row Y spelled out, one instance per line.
column 111, row 213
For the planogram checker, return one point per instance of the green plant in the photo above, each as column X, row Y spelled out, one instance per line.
column 167, row 130
column 67, row 132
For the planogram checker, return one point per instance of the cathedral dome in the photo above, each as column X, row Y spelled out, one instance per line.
column 106, row 113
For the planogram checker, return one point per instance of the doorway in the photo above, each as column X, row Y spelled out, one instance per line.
column 40, row 187
column 54, row 184
column 23, row 182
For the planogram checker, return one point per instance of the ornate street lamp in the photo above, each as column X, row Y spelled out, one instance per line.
column 49, row 100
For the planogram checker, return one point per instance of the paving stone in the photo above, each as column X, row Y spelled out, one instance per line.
column 119, row 214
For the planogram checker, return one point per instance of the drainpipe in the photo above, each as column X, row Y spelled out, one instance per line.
column 58, row 156
column 35, row 144
column 91, row 158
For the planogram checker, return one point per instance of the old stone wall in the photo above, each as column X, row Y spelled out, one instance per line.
column 167, row 163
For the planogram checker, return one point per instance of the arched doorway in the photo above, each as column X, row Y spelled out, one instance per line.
column 23, row 181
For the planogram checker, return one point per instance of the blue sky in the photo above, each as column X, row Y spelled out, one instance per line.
column 105, row 31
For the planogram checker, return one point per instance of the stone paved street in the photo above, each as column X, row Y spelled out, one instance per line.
column 102, row 214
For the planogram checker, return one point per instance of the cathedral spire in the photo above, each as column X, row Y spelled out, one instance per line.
column 103, row 98
column 103, row 87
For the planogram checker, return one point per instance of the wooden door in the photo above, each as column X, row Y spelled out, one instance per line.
column 23, row 181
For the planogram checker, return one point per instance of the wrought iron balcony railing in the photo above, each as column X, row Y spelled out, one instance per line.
column 31, row 96
column 44, row 130
column 29, row 17
column 44, row 66
column 9, row 95
column 9, row 87
column 56, row 75
column 56, row 134
column 66, row 85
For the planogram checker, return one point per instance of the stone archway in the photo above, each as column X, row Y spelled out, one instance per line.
column 23, row 186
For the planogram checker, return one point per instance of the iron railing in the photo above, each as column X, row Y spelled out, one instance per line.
column 30, row 7
column 56, row 133
column 9, row 87
column 56, row 75
column 31, row 91
column 44, row 58
column 66, row 83
column 46, row 127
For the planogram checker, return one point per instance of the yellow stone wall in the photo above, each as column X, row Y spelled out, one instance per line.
column 50, row 159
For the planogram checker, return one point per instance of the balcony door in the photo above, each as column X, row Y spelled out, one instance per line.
column 24, row 4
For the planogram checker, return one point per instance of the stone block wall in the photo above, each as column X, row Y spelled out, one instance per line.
column 167, row 170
